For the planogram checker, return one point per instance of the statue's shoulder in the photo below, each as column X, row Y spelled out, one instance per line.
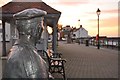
column 21, row 52
column 16, row 52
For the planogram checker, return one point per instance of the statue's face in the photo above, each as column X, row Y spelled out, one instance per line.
column 32, row 27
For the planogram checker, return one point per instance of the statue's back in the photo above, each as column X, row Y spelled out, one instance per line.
column 24, row 62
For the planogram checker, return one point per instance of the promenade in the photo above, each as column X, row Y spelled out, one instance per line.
column 87, row 62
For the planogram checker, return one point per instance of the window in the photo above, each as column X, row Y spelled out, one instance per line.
column 74, row 35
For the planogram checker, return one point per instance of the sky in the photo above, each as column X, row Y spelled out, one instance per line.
column 85, row 11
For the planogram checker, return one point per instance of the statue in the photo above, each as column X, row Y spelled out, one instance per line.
column 23, row 60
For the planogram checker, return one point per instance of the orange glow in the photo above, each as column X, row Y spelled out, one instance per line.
column 49, row 30
column 2, row 2
column 85, row 10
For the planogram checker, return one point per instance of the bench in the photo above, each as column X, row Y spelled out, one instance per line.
column 55, row 63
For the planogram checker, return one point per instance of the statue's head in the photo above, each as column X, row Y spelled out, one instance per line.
column 30, row 22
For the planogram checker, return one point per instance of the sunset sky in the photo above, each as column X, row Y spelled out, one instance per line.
column 85, row 10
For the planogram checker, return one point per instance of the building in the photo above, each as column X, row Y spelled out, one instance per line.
column 80, row 33
column 66, row 32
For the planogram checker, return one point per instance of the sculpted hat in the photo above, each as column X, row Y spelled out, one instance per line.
column 29, row 13
column 29, row 20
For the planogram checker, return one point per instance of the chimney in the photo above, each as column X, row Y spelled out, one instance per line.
column 80, row 26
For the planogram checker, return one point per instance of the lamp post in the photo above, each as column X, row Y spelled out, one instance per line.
column 79, row 37
column 98, row 13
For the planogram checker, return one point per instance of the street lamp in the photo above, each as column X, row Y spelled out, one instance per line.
column 98, row 13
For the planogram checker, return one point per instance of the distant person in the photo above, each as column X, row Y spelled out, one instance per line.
column 23, row 60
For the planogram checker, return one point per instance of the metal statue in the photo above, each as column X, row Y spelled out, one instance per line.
column 23, row 60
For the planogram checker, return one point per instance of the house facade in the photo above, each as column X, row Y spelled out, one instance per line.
column 80, row 33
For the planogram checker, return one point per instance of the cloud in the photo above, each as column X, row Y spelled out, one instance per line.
column 66, row 2
column 72, row 2
column 110, row 11
column 3, row 2
column 106, row 11
column 107, row 26
column 27, row 0
column 108, row 22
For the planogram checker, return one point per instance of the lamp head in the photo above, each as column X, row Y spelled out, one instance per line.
column 98, row 11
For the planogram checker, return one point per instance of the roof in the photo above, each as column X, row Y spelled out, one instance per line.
column 14, row 7
column 76, row 29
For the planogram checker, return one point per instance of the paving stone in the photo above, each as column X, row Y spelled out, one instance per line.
column 89, row 62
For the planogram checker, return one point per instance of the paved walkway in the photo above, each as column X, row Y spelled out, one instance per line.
column 89, row 62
